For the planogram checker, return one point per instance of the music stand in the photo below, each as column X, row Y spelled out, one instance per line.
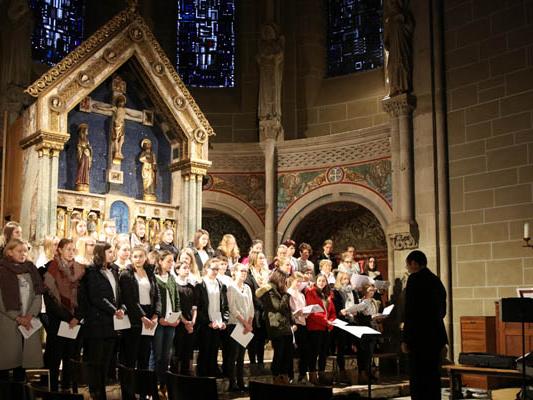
column 519, row 309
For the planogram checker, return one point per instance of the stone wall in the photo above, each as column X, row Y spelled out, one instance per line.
column 489, row 73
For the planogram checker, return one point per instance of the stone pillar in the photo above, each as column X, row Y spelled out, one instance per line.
column 39, row 197
column 403, row 232
column 269, row 131
column 192, row 173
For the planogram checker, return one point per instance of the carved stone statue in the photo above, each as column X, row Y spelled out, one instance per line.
column 398, row 39
column 270, row 60
column 119, row 127
column 149, row 170
column 85, row 159
column 16, row 27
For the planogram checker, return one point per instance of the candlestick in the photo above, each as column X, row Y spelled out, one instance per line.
column 526, row 230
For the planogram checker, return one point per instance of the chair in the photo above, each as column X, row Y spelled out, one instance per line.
column 37, row 393
column 181, row 387
column 137, row 381
column 269, row 391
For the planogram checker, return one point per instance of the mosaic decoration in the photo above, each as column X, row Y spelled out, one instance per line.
column 355, row 36
column 218, row 224
column 58, row 29
column 375, row 175
column 206, row 42
column 346, row 224
column 249, row 188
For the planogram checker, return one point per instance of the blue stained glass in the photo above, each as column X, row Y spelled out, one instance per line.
column 58, row 29
column 206, row 42
column 355, row 36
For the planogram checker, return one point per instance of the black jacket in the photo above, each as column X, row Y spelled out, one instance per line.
column 259, row 316
column 425, row 308
column 210, row 252
column 97, row 303
column 202, row 316
column 130, row 293
column 339, row 299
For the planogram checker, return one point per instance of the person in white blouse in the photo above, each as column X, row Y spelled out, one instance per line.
column 325, row 269
column 241, row 315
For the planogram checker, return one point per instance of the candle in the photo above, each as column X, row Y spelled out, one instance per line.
column 526, row 230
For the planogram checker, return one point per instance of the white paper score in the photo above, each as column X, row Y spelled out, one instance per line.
column 35, row 326
column 148, row 332
column 67, row 332
column 242, row 338
column 121, row 324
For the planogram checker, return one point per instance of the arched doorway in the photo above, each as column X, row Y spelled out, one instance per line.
column 346, row 223
column 218, row 224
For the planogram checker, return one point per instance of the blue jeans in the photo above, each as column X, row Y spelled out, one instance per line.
column 164, row 336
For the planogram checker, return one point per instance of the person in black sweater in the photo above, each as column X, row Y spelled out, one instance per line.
column 327, row 248
column 424, row 335
column 213, row 315
column 186, row 331
column 141, row 295
column 99, row 300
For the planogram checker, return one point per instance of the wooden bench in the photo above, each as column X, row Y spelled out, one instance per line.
column 456, row 370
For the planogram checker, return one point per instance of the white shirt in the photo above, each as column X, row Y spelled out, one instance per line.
column 240, row 302
column 297, row 302
column 111, row 278
column 213, row 295
column 225, row 279
column 24, row 290
column 203, row 256
column 169, row 300
column 144, row 290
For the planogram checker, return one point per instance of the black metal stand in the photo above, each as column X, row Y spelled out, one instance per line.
column 519, row 309
column 372, row 340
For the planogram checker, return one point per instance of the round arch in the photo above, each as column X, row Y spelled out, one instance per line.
column 237, row 209
column 329, row 194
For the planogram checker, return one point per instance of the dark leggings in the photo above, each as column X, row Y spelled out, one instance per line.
column 135, row 348
column 283, row 350
column 208, row 345
column 61, row 349
column 256, row 347
column 300, row 337
column 318, row 349
column 98, row 353
column 183, row 350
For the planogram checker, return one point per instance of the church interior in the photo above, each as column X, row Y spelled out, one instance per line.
column 385, row 126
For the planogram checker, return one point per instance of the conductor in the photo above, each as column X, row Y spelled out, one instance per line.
column 424, row 335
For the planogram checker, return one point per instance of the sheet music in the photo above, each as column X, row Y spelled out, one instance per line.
column 67, row 332
column 120, row 324
column 387, row 310
column 148, row 332
column 35, row 326
column 242, row 338
column 359, row 331
column 173, row 317
column 339, row 322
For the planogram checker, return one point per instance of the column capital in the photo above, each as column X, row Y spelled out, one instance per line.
column 190, row 167
column 46, row 143
column 403, row 235
column 270, row 128
column 400, row 104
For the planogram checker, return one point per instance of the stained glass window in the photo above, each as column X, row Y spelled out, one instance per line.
column 355, row 36
column 58, row 29
column 206, row 42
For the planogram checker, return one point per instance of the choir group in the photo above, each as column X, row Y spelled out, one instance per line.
column 120, row 301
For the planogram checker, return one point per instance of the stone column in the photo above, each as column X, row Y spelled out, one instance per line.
column 39, row 197
column 403, row 232
column 192, row 173
column 269, row 132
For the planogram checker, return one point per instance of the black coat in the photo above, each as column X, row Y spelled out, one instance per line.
column 97, row 303
column 259, row 316
column 129, row 288
column 210, row 252
column 339, row 300
column 425, row 308
column 321, row 257
column 202, row 316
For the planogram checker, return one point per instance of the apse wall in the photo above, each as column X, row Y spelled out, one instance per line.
column 489, row 73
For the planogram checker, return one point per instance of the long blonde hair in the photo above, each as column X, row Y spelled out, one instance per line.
column 193, row 266
column 223, row 247
column 338, row 281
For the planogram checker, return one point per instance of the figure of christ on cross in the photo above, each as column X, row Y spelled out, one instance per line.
column 120, row 113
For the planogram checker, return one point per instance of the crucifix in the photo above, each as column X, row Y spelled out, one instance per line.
column 120, row 113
